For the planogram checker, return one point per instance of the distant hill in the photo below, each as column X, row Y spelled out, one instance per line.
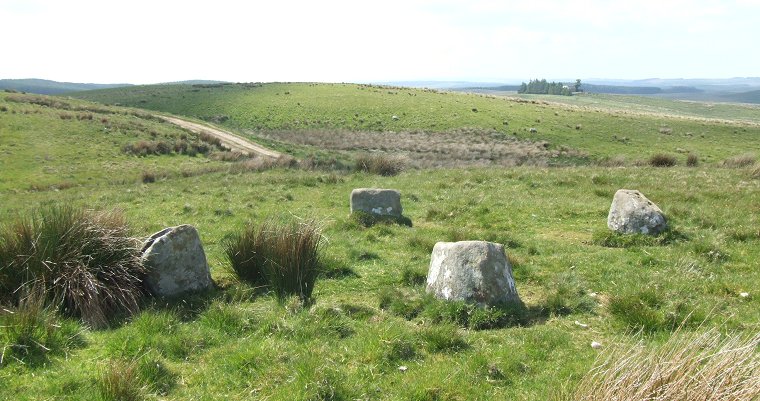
column 745, row 97
column 47, row 87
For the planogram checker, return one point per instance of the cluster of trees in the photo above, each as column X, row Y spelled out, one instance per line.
column 549, row 88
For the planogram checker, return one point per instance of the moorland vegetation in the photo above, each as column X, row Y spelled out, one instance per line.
column 365, row 329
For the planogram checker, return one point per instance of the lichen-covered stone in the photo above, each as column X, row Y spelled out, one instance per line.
column 176, row 262
column 379, row 202
column 471, row 271
column 632, row 213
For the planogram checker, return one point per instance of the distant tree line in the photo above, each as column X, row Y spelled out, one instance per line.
column 542, row 87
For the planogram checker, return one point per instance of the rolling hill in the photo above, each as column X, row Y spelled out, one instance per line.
column 47, row 87
column 595, row 125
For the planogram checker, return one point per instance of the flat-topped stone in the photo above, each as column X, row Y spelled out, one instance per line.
column 379, row 202
column 632, row 213
column 471, row 271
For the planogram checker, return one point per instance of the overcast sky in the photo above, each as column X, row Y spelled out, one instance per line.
column 141, row 41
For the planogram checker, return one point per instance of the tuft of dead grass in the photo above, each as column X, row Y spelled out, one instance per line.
column 739, row 161
column 705, row 366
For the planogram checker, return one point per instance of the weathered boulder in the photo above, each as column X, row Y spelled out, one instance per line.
column 471, row 271
column 379, row 202
column 175, row 261
column 632, row 213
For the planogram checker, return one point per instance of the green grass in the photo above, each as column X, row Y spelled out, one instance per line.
column 237, row 343
column 610, row 125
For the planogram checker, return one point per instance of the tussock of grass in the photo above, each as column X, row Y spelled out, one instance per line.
column 443, row 338
column 119, row 381
column 756, row 171
column 692, row 160
column 30, row 333
column 689, row 366
column 612, row 239
column 740, row 161
column 365, row 219
column 651, row 311
column 380, row 164
column 85, row 261
column 282, row 257
column 662, row 160
column 568, row 295
column 412, row 277
column 410, row 306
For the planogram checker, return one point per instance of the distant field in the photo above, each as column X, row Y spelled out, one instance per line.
column 601, row 126
column 665, row 107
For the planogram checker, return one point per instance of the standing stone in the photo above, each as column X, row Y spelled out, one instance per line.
column 175, row 262
column 471, row 271
column 379, row 202
column 632, row 213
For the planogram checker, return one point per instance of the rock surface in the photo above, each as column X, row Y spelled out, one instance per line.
column 176, row 262
column 471, row 271
column 632, row 213
column 380, row 202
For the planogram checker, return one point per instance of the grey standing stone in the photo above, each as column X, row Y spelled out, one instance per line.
column 471, row 271
column 632, row 213
column 379, row 202
column 176, row 262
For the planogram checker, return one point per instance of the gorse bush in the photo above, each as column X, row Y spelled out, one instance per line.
column 284, row 258
column 380, row 164
column 86, row 262
column 703, row 366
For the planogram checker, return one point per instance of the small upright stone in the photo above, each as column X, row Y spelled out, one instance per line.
column 176, row 262
column 632, row 213
column 471, row 271
column 378, row 202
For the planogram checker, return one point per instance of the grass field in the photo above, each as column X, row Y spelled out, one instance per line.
column 582, row 126
column 237, row 343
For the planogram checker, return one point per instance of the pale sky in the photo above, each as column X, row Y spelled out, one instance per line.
column 141, row 41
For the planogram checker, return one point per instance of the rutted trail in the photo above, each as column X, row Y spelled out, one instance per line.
column 228, row 139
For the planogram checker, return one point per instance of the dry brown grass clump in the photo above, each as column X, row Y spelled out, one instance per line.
column 739, row 161
column 703, row 366
column 756, row 171
column 86, row 262
column 380, row 164
column 662, row 160
column 692, row 160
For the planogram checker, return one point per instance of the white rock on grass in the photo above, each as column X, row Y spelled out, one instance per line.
column 379, row 202
column 632, row 213
column 471, row 271
column 176, row 262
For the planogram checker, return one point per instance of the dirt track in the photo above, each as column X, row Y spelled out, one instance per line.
column 230, row 140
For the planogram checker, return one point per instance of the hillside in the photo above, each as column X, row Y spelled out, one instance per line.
column 745, row 97
column 370, row 333
column 47, row 87
column 581, row 124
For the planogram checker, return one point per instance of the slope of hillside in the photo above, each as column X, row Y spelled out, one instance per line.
column 599, row 131
column 51, row 144
column 47, row 87
column 745, row 97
